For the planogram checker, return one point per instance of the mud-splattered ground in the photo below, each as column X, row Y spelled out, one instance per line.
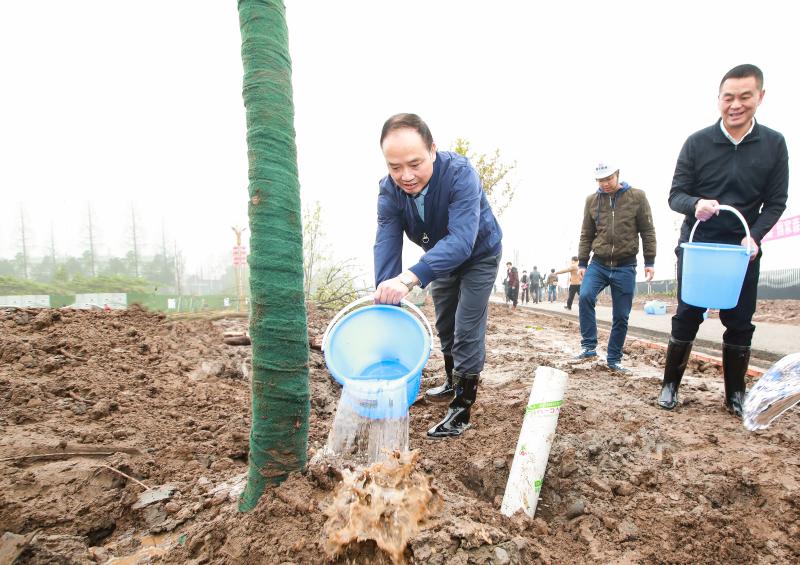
column 94, row 403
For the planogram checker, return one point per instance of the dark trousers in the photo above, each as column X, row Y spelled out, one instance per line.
column 536, row 294
column 738, row 323
column 461, row 302
column 524, row 299
column 573, row 290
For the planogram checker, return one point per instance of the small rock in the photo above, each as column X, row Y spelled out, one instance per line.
column 219, row 497
column 101, row 409
column 599, row 484
column 627, row 530
column 33, row 402
column 576, row 509
column 585, row 533
column 498, row 464
column 501, row 556
column 120, row 434
column 172, row 507
column 540, row 527
column 568, row 465
column 609, row 522
column 154, row 515
column 221, row 464
column 623, row 488
column 594, row 450
column 204, row 483
column 98, row 554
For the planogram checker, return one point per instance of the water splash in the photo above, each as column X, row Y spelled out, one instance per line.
column 371, row 422
column 774, row 393
column 386, row 503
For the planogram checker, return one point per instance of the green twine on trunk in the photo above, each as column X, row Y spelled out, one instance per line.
column 280, row 396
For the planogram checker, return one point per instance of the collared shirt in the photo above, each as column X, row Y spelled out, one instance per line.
column 419, row 200
column 730, row 137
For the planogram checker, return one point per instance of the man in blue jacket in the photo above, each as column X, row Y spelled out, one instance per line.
column 743, row 164
column 436, row 199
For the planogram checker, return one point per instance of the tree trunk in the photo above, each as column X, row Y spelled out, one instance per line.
column 280, row 397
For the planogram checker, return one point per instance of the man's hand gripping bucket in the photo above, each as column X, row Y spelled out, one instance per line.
column 376, row 351
column 713, row 273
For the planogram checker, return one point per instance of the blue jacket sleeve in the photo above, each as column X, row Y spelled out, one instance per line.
column 462, row 229
column 388, row 249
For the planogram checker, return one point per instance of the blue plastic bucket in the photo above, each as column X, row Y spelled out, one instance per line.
column 655, row 307
column 713, row 273
column 375, row 350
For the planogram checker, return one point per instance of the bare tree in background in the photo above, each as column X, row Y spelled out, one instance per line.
column 179, row 267
column 135, row 244
column 91, row 242
column 330, row 283
column 24, row 244
column 493, row 174
column 312, row 245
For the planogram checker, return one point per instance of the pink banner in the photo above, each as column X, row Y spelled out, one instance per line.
column 786, row 227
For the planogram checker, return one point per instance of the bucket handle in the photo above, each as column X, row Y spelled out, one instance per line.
column 365, row 299
column 738, row 215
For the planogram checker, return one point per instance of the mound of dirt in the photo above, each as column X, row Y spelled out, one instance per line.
column 97, row 407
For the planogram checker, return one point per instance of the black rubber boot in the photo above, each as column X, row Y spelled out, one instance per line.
column 735, row 359
column 445, row 391
column 677, row 358
column 457, row 419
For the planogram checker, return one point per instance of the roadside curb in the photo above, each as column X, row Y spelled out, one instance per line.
column 638, row 334
column 751, row 371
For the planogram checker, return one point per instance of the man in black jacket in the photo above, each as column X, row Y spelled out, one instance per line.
column 743, row 164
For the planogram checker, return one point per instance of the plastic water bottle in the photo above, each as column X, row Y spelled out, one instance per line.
column 774, row 393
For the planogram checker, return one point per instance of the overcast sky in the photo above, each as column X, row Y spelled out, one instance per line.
column 136, row 106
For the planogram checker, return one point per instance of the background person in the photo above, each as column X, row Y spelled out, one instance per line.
column 523, row 286
column 574, row 281
column 436, row 199
column 552, row 286
column 512, row 276
column 743, row 164
column 536, row 282
column 614, row 218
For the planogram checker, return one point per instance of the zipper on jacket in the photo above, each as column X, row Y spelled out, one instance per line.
column 612, row 202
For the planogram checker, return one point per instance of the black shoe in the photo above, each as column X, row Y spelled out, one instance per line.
column 735, row 359
column 445, row 391
column 456, row 421
column 677, row 359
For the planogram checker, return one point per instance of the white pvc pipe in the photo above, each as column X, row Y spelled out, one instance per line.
column 535, row 439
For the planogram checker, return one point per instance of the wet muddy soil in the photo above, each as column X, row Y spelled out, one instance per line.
column 98, row 408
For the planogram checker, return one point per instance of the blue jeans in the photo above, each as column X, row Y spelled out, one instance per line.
column 622, row 281
column 551, row 293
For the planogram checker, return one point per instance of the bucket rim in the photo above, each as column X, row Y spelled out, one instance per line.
column 412, row 372
column 710, row 245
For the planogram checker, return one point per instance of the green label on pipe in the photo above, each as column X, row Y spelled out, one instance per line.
column 540, row 405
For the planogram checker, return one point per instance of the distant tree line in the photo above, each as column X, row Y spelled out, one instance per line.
column 47, row 275
column 158, row 268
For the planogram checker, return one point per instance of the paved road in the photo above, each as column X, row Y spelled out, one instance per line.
column 770, row 341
